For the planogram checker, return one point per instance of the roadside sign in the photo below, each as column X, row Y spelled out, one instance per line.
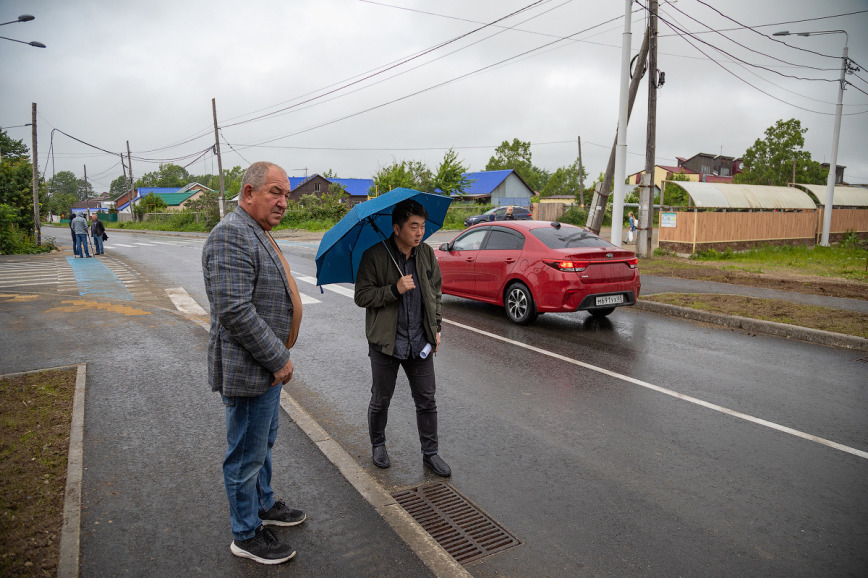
column 667, row 220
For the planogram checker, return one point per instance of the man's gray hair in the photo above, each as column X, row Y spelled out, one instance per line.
column 256, row 173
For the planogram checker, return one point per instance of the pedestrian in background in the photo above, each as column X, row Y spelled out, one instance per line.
column 402, row 323
column 79, row 227
column 72, row 232
column 255, row 317
column 97, row 230
column 631, row 232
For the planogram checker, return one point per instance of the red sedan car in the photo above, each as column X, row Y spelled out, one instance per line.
column 533, row 267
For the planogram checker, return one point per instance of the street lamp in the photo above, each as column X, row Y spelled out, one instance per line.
column 833, row 164
column 22, row 18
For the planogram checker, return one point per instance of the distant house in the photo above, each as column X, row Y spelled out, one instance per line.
column 663, row 173
column 316, row 184
column 839, row 174
column 176, row 198
column 504, row 187
column 709, row 164
column 92, row 206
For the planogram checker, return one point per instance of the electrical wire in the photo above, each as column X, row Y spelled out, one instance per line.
column 685, row 38
column 404, row 61
column 438, row 85
column 233, row 148
column 746, row 27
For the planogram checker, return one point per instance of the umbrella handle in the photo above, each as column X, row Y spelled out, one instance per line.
column 383, row 241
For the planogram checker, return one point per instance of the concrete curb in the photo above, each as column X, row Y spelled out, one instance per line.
column 768, row 327
column 70, row 533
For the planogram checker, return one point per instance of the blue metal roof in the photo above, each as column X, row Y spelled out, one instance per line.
column 355, row 187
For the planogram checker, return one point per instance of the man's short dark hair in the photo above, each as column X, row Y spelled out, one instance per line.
column 406, row 209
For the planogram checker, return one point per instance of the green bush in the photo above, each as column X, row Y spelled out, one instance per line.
column 578, row 216
column 17, row 241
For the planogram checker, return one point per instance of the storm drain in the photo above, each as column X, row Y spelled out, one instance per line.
column 465, row 532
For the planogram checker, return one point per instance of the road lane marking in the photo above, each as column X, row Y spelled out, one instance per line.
column 122, row 245
column 333, row 288
column 143, row 244
column 307, row 299
column 675, row 394
column 183, row 302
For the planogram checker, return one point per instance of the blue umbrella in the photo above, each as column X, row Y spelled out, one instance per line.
column 365, row 225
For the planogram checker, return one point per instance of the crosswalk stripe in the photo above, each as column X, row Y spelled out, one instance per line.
column 122, row 245
column 184, row 302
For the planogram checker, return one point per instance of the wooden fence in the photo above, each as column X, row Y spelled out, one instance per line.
column 745, row 229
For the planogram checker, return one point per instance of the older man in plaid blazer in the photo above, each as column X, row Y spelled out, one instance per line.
column 254, row 302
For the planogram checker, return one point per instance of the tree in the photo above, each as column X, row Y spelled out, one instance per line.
column 167, row 175
column 408, row 174
column 64, row 190
column 119, row 186
column 770, row 161
column 16, row 190
column 208, row 207
column 150, row 203
column 517, row 156
column 11, row 149
column 675, row 196
column 329, row 174
column 450, row 175
column 231, row 180
column 564, row 181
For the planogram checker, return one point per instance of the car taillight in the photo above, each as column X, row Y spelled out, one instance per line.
column 574, row 266
column 633, row 263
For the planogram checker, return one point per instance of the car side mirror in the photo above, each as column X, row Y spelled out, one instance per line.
column 445, row 247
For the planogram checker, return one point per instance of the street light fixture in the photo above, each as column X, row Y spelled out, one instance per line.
column 22, row 18
column 833, row 162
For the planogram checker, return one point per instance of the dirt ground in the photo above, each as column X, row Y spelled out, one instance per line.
column 782, row 280
column 35, row 413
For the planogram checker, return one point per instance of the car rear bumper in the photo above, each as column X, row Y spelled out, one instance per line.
column 590, row 301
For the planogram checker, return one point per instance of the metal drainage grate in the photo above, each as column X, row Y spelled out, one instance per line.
column 459, row 527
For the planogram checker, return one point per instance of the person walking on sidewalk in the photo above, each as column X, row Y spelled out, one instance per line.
column 631, row 232
column 402, row 323
column 79, row 227
column 97, row 230
column 255, row 316
column 72, row 232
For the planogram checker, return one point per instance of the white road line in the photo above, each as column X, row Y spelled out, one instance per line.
column 143, row 244
column 27, row 284
column 184, row 302
column 333, row 288
column 164, row 243
column 634, row 381
column 307, row 299
column 122, row 245
column 669, row 392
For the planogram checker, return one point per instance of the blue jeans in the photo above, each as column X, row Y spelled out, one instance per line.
column 97, row 243
column 81, row 245
column 251, row 428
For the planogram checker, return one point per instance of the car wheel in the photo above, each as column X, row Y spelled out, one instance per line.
column 520, row 307
column 600, row 313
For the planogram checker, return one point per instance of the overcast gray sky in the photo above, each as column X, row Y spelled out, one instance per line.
column 147, row 71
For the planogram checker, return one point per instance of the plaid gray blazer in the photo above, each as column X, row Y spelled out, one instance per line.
column 251, row 307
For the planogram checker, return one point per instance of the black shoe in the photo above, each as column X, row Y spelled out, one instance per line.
column 437, row 465
column 89, row 256
column 381, row 457
column 264, row 548
column 280, row 515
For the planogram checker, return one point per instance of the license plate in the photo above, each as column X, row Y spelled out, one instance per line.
column 609, row 300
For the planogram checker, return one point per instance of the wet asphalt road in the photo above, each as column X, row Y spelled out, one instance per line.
column 597, row 474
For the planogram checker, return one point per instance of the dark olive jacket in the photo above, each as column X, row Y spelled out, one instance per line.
column 377, row 291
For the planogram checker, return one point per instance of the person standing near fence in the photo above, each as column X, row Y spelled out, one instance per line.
column 97, row 230
column 79, row 227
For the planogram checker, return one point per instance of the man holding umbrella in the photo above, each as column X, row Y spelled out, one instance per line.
column 398, row 283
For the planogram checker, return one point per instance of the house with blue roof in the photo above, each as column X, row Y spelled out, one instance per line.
column 504, row 187
column 176, row 198
column 316, row 184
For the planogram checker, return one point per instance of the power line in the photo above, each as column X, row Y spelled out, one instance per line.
column 746, row 27
column 444, row 83
column 404, row 61
column 685, row 38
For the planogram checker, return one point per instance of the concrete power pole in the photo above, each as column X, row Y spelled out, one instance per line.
column 132, row 182
column 601, row 192
column 37, row 230
column 222, row 200
column 87, row 205
column 581, row 177
column 646, row 193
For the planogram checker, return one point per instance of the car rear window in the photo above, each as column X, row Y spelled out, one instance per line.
column 568, row 238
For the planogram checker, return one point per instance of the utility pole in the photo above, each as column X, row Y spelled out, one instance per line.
column 623, row 115
column 86, row 204
column 222, row 201
column 132, row 182
column 581, row 177
column 646, row 193
column 601, row 193
column 37, row 230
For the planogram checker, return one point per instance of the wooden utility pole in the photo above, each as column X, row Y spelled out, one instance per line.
column 37, row 229
column 646, row 193
column 601, row 194
column 86, row 204
column 219, row 160
column 581, row 177
column 132, row 183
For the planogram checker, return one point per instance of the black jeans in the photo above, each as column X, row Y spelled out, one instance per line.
column 420, row 373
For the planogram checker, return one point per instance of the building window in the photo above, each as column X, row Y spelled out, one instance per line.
column 705, row 169
column 724, row 172
column 316, row 187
